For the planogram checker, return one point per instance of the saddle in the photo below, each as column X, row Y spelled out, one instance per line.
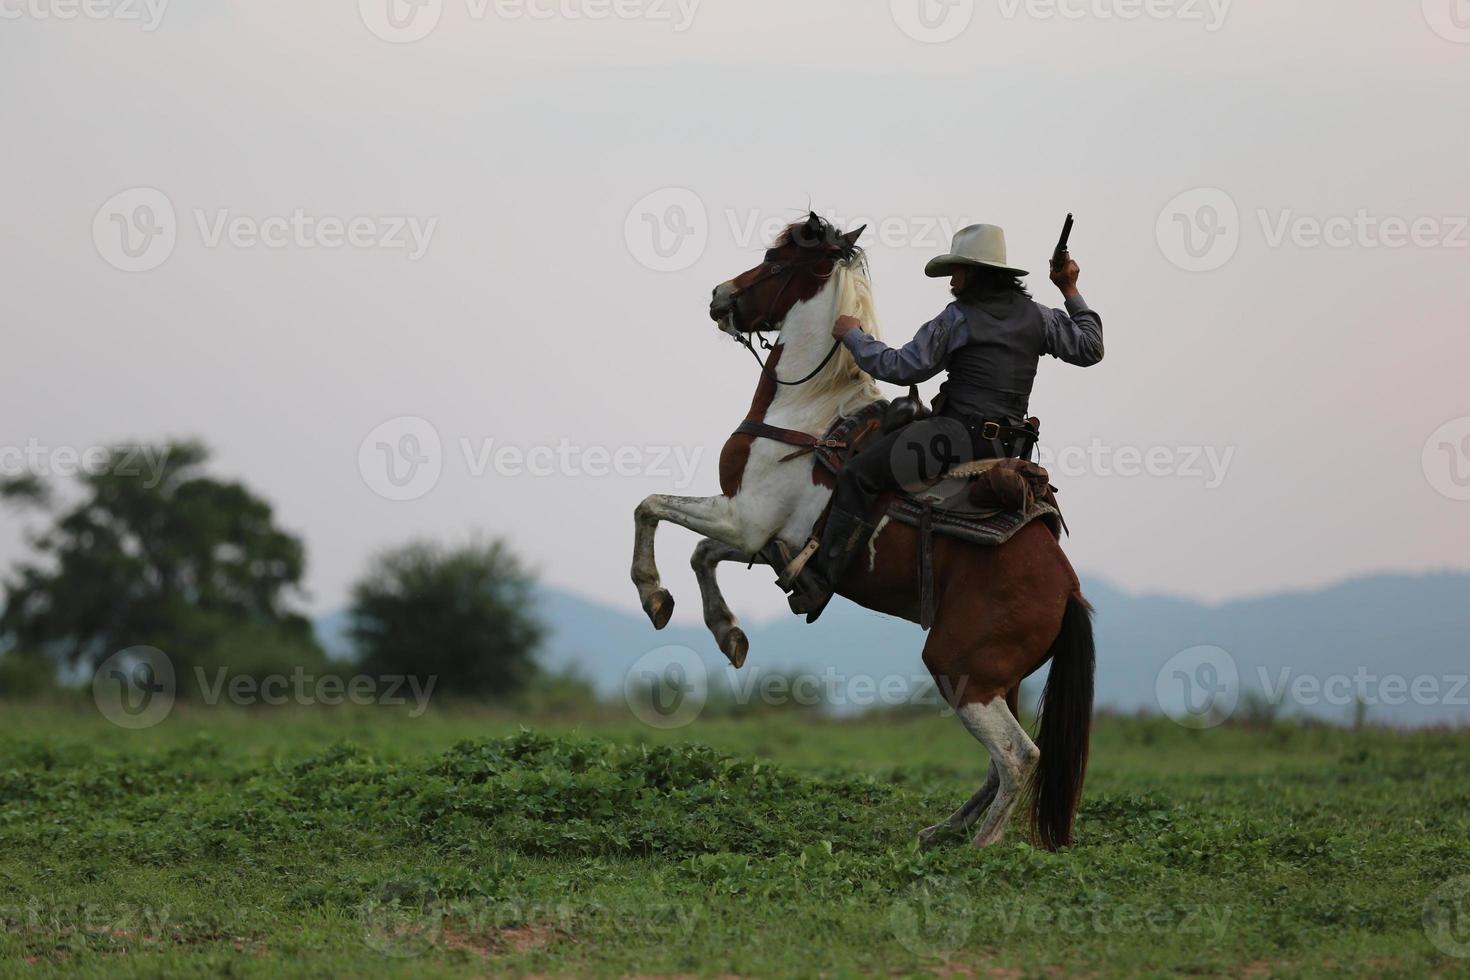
column 985, row 502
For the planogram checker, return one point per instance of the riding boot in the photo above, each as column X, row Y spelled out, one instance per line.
column 842, row 538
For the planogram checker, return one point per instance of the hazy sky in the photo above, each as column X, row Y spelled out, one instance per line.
column 509, row 229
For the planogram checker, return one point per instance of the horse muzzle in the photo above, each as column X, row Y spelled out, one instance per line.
column 722, row 305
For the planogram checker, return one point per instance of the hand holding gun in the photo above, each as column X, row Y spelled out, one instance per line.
column 1064, row 271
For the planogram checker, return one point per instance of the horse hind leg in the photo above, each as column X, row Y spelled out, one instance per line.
column 1013, row 754
column 717, row 613
column 966, row 816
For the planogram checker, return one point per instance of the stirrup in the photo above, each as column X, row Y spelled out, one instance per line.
column 790, row 576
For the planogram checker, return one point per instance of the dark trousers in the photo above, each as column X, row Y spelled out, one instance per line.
column 869, row 474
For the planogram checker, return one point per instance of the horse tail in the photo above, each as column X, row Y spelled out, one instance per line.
column 1064, row 728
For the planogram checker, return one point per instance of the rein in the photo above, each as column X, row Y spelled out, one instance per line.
column 745, row 341
column 765, row 324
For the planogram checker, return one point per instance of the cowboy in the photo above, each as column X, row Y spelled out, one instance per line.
column 990, row 340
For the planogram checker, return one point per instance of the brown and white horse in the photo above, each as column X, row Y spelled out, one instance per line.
column 1000, row 613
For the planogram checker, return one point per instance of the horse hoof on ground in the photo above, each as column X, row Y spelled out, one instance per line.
column 660, row 606
column 735, row 646
column 936, row 836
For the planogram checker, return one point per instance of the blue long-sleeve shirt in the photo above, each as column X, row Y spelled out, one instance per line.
column 991, row 350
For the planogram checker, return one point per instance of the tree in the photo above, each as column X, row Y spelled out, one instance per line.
column 459, row 614
column 157, row 554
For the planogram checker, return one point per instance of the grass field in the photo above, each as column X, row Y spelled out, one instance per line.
column 368, row 843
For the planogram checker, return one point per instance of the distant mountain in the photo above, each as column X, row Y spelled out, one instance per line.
column 1313, row 652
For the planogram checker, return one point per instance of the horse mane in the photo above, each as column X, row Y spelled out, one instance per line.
column 843, row 379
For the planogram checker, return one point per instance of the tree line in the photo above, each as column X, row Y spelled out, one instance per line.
column 174, row 558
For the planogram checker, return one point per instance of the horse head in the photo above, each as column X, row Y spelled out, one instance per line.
column 795, row 270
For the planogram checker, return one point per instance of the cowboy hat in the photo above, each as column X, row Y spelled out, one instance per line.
column 983, row 245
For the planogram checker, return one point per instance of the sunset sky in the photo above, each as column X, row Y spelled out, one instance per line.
column 1271, row 219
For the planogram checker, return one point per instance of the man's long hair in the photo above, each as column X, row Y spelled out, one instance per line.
column 982, row 283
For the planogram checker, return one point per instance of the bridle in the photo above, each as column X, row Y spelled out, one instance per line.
column 764, row 323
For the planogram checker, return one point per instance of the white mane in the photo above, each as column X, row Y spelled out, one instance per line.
column 842, row 381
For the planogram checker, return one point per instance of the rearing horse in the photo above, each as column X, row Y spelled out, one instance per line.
column 1000, row 613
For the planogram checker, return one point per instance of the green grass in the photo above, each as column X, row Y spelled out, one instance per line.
column 366, row 843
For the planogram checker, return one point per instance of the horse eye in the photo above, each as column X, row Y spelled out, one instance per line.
column 776, row 267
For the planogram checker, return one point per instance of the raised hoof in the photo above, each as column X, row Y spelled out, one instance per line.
column 735, row 646
column 660, row 606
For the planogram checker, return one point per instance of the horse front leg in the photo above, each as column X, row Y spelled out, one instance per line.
column 710, row 517
column 717, row 614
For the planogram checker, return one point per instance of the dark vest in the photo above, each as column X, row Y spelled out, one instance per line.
column 991, row 376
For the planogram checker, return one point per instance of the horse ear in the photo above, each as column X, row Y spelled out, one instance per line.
column 850, row 240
